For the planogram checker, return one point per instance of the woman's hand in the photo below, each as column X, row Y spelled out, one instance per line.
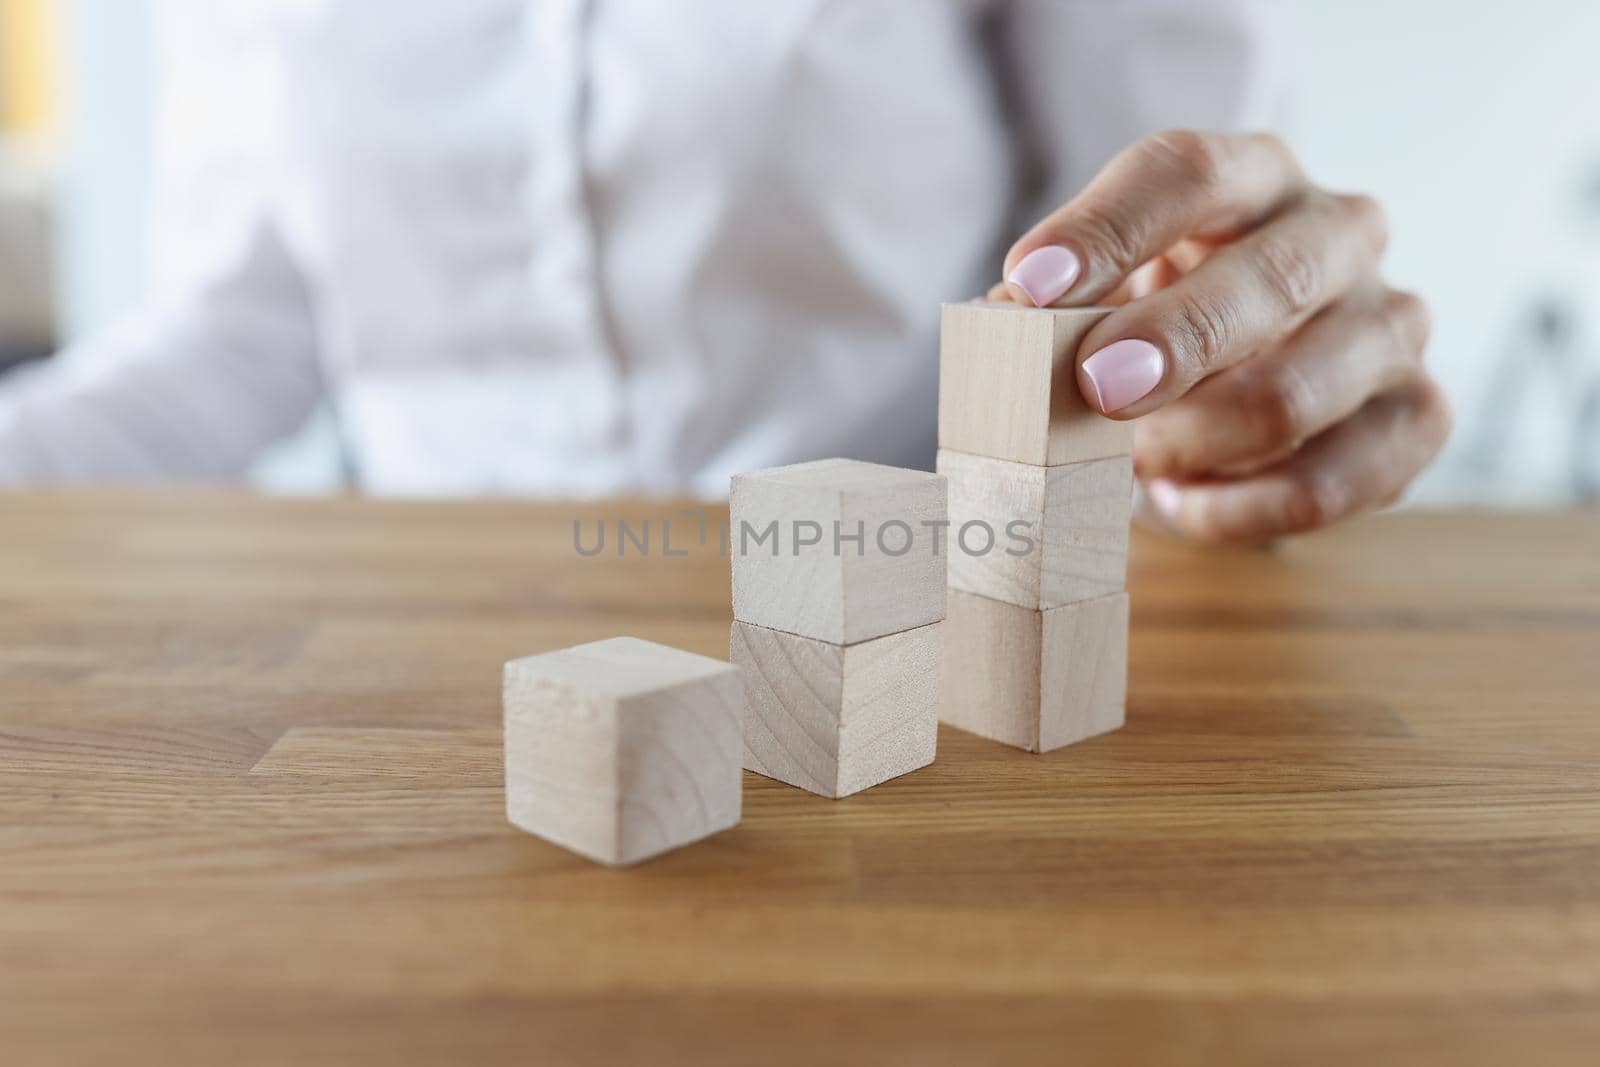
column 1278, row 381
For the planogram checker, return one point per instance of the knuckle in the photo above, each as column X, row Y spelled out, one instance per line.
column 1314, row 501
column 1153, row 455
column 1205, row 328
column 1437, row 415
column 1295, row 277
column 1282, row 407
column 1196, row 157
column 1203, row 519
column 1408, row 319
column 1110, row 236
column 1368, row 215
column 1269, row 139
column 1278, row 147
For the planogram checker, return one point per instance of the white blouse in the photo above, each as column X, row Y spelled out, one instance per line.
column 600, row 246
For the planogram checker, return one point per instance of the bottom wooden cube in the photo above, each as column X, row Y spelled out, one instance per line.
column 1035, row 679
column 622, row 749
column 835, row 719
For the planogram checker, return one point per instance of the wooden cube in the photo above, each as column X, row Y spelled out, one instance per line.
column 835, row 719
column 1042, row 536
column 838, row 550
column 622, row 749
column 1035, row 679
column 1008, row 386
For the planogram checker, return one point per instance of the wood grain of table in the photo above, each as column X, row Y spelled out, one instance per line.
column 251, row 812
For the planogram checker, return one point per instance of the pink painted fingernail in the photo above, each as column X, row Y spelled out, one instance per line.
column 1122, row 372
column 1166, row 497
column 1045, row 273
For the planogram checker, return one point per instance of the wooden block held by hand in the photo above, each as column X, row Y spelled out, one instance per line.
column 837, row 550
column 1035, row 679
column 1059, row 534
column 835, row 719
column 1008, row 386
column 622, row 749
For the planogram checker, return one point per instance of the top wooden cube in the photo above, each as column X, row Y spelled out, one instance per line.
column 838, row 550
column 1008, row 386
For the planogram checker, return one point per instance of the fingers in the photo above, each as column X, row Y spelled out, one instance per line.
column 1364, row 462
column 1245, row 296
column 1154, row 275
column 1154, row 194
column 1260, row 411
column 1214, row 249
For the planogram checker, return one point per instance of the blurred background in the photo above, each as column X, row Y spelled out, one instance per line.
column 1489, row 165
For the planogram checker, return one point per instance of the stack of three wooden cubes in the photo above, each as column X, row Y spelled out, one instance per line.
column 1040, row 498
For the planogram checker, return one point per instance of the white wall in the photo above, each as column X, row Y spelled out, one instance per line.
column 108, row 64
column 1478, row 124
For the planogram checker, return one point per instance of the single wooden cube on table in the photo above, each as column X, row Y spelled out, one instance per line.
column 622, row 749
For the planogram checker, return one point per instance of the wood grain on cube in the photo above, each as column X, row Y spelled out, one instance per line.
column 841, row 590
column 1060, row 534
column 622, row 749
column 836, row 719
column 1008, row 386
column 990, row 673
column 1037, row 680
column 1083, row 686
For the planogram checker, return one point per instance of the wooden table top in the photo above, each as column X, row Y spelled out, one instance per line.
column 251, row 812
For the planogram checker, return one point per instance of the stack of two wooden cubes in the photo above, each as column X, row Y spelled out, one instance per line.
column 838, row 597
column 1040, row 498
